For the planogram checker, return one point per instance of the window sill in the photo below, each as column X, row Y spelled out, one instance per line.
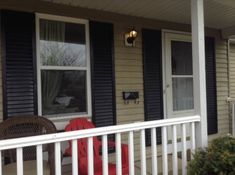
column 61, row 121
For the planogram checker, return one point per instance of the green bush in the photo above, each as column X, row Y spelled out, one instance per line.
column 217, row 159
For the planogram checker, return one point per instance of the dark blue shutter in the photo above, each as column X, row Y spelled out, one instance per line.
column 102, row 71
column 19, row 73
column 152, row 60
column 211, row 86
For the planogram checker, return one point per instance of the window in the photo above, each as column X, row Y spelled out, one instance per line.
column 63, row 67
column 182, row 75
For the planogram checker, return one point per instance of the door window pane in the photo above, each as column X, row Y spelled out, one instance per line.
column 182, row 94
column 181, row 58
column 63, row 92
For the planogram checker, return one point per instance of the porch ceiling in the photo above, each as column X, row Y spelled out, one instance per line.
column 219, row 14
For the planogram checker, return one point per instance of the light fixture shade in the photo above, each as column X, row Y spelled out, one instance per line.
column 133, row 33
column 130, row 37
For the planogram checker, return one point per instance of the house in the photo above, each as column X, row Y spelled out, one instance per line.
column 63, row 59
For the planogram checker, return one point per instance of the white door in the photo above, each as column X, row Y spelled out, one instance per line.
column 178, row 75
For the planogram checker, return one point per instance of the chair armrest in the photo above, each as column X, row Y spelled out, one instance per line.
column 68, row 150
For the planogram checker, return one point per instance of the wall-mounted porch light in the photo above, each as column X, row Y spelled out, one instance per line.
column 130, row 37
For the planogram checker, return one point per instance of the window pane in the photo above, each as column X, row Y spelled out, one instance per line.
column 63, row 92
column 182, row 94
column 62, row 44
column 181, row 60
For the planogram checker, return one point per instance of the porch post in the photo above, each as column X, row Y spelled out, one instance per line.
column 198, row 47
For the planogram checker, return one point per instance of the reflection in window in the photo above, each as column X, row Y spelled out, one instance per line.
column 63, row 92
column 181, row 61
column 62, row 44
column 62, row 54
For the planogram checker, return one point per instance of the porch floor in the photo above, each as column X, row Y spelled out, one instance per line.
column 149, row 166
column 67, row 168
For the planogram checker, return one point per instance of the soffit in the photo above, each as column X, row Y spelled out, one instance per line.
column 218, row 13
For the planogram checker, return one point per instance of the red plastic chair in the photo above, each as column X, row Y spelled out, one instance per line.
column 79, row 124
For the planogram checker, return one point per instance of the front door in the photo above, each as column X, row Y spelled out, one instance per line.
column 178, row 88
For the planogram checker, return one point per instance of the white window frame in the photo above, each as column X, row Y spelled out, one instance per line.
column 63, row 117
column 177, row 36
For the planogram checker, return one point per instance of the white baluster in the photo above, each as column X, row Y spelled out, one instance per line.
column 184, row 150
column 143, row 152
column 57, row 158
column 75, row 157
column 154, row 151
column 164, row 151
column 105, row 154
column 19, row 152
column 39, row 160
column 174, row 144
column 118, row 155
column 90, row 156
column 131, row 153
column 193, row 144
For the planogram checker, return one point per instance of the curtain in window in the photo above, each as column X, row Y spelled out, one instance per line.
column 182, row 94
column 52, row 37
column 52, row 42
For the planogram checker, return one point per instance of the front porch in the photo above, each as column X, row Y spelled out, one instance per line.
column 163, row 145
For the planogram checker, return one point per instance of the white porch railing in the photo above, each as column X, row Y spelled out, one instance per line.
column 118, row 130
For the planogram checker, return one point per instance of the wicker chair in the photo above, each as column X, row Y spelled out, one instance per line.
column 24, row 126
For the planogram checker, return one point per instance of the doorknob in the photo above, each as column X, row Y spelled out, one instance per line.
column 167, row 86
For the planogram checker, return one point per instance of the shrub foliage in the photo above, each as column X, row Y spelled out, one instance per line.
column 217, row 159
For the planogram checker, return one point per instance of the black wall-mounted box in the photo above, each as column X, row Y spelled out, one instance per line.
column 130, row 95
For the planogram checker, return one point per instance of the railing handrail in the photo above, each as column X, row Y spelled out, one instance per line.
column 65, row 136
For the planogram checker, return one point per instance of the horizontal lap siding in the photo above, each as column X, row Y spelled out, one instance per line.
column 129, row 76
